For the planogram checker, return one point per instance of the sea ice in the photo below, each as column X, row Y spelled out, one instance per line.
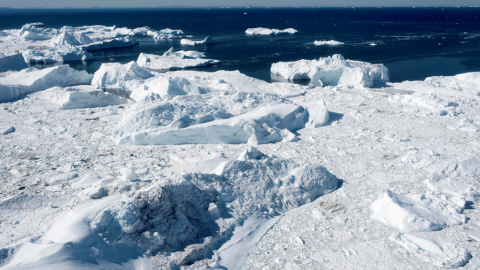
column 120, row 42
column 333, row 70
column 267, row 31
column 328, row 42
column 414, row 212
column 171, row 61
column 31, row 80
column 206, row 41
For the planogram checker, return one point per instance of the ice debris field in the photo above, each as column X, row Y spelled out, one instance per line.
column 199, row 170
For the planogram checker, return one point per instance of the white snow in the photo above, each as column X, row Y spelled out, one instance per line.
column 268, row 31
column 415, row 212
column 327, row 42
column 206, row 41
column 27, row 81
column 173, row 60
column 333, row 71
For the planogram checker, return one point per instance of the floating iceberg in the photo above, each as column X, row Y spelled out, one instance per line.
column 328, row 42
column 28, row 81
column 415, row 213
column 77, row 97
column 171, row 61
column 206, row 41
column 121, row 42
column 57, row 54
column 14, row 62
column 333, row 71
column 268, row 31
column 118, row 76
column 71, row 39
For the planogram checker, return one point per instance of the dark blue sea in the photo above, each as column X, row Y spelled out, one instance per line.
column 412, row 42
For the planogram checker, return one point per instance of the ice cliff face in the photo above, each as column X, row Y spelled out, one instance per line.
column 333, row 71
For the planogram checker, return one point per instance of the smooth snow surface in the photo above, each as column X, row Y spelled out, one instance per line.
column 250, row 174
column 333, row 71
column 268, row 31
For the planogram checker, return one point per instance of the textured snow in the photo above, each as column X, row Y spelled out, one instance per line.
column 173, row 60
column 327, row 42
column 333, row 71
column 27, row 81
column 268, row 31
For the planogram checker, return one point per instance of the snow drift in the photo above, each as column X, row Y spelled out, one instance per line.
column 333, row 71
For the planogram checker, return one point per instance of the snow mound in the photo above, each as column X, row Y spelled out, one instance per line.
column 28, row 81
column 78, row 97
column 327, row 42
column 195, row 82
column 12, row 62
column 172, row 61
column 118, row 76
column 206, row 41
column 442, row 254
column 413, row 213
column 334, row 71
column 178, row 220
column 268, row 31
column 121, row 42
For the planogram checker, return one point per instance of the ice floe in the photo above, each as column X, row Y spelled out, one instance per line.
column 206, row 41
column 268, row 31
column 174, row 60
column 327, row 42
column 13, row 85
column 334, row 71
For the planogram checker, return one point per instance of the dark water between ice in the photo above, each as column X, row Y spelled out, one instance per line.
column 412, row 43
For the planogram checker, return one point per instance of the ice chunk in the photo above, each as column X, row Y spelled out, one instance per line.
column 442, row 254
column 327, row 42
column 57, row 54
column 317, row 114
column 268, row 31
column 27, row 81
column 118, row 76
column 251, row 153
column 171, row 61
column 433, row 103
column 333, row 70
column 168, row 34
column 77, row 97
column 451, row 186
column 206, row 41
column 121, row 42
column 14, row 62
column 412, row 212
column 184, row 54
column 7, row 130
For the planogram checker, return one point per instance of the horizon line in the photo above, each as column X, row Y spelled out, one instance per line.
column 226, row 7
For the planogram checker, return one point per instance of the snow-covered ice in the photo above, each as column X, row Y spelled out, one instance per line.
column 174, row 60
column 118, row 76
column 327, row 42
column 268, row 31
column 189, row 42
column 13, row 62
column 333, row 71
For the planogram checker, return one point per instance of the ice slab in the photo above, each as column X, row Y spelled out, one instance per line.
column 121, row 42
column 334, row 71
column 415, row 212
column 206, row 41
column 82, row 96
column 172, row 61
column 13, row 62
column 268, row 31
column 32, row 80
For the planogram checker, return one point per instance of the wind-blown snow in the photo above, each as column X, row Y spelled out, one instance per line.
column 333, row 71
column 268, row 31
column 27, row 81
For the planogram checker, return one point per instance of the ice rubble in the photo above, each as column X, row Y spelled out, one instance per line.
column 206, row 41
column 171, row 60
column 13, row 62
column 443, row 254
column 333, row 70
column 82, row 96
column 15, row 84
column 178, row 220
column 268, row 31
column 414, row 213
column 327, row 42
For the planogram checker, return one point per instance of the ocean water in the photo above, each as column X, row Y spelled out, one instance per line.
column 413, row 43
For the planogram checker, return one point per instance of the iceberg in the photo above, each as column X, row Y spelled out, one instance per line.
column 171, row 61
column 333, row 71
column 57, row 54
column 122, row 42
column 268, row 31
column 28, row 81
column 14, row 62
column 327, row 42
column 206, row 41
column 118, row 76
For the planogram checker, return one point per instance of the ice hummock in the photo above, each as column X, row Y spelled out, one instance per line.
column 333, row 71
column 171, row 60
column 268, row 31
column 27, row 81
